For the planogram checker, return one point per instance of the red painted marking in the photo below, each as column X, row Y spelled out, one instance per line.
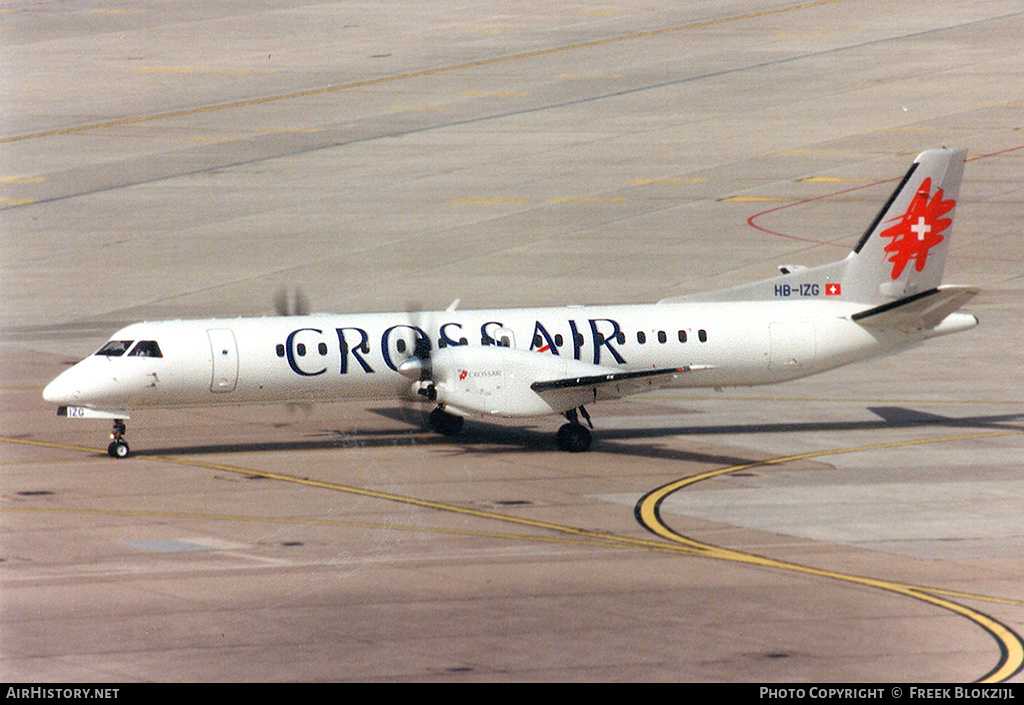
column 918, row 230
column 751, row 220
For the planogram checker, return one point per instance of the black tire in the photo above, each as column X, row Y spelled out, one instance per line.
column 573, row 438
column 118, row 449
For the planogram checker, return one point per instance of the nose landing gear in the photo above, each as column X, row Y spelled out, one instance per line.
column 118, row 447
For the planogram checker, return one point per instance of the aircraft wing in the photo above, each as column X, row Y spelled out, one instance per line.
column 918, row 312
column 614, row 385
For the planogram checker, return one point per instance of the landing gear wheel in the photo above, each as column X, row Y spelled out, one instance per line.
column 444, row 423
column 573, row 438
column 118, row 449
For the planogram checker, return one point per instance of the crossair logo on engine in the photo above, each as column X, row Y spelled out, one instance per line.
column 478, row 375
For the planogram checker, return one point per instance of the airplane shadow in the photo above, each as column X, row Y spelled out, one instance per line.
column 480, row 437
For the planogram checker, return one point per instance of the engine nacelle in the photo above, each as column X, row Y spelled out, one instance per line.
column 495, row 381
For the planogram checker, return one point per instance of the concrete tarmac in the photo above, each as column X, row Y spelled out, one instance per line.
column 174, row 160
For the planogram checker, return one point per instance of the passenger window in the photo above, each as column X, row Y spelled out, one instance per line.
column 702, row 335
column 146, row 348
column 641, row 337
column 661, row 336
column 115, row 348
column 682, row 336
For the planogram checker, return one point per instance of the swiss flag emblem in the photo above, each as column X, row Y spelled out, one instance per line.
column 833, row 289
column 918, row 230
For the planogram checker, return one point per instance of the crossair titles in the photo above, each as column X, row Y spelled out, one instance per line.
column 352, row 344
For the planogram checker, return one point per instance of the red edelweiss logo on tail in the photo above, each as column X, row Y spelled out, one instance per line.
column 918, row 230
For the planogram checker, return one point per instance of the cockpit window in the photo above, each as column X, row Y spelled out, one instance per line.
column 115, row 348
column 146, row 348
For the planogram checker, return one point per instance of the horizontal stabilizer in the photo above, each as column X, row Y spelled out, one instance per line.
column 920, row 311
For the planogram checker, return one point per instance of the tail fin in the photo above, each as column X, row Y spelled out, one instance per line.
column 903, row 252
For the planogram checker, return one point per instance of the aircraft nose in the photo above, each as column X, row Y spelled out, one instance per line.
column 62, row 390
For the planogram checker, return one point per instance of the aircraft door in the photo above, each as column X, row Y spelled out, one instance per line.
column 225, row 360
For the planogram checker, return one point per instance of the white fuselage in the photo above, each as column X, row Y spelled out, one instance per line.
column 334, row 357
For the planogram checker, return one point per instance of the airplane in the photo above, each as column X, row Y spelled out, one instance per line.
column 884, row 297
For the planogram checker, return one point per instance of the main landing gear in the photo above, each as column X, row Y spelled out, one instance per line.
column 573, row 437
column 118, row 447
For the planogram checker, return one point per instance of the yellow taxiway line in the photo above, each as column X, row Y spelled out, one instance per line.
column 1011, row 645
column 647, row 512
column 413, row 74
